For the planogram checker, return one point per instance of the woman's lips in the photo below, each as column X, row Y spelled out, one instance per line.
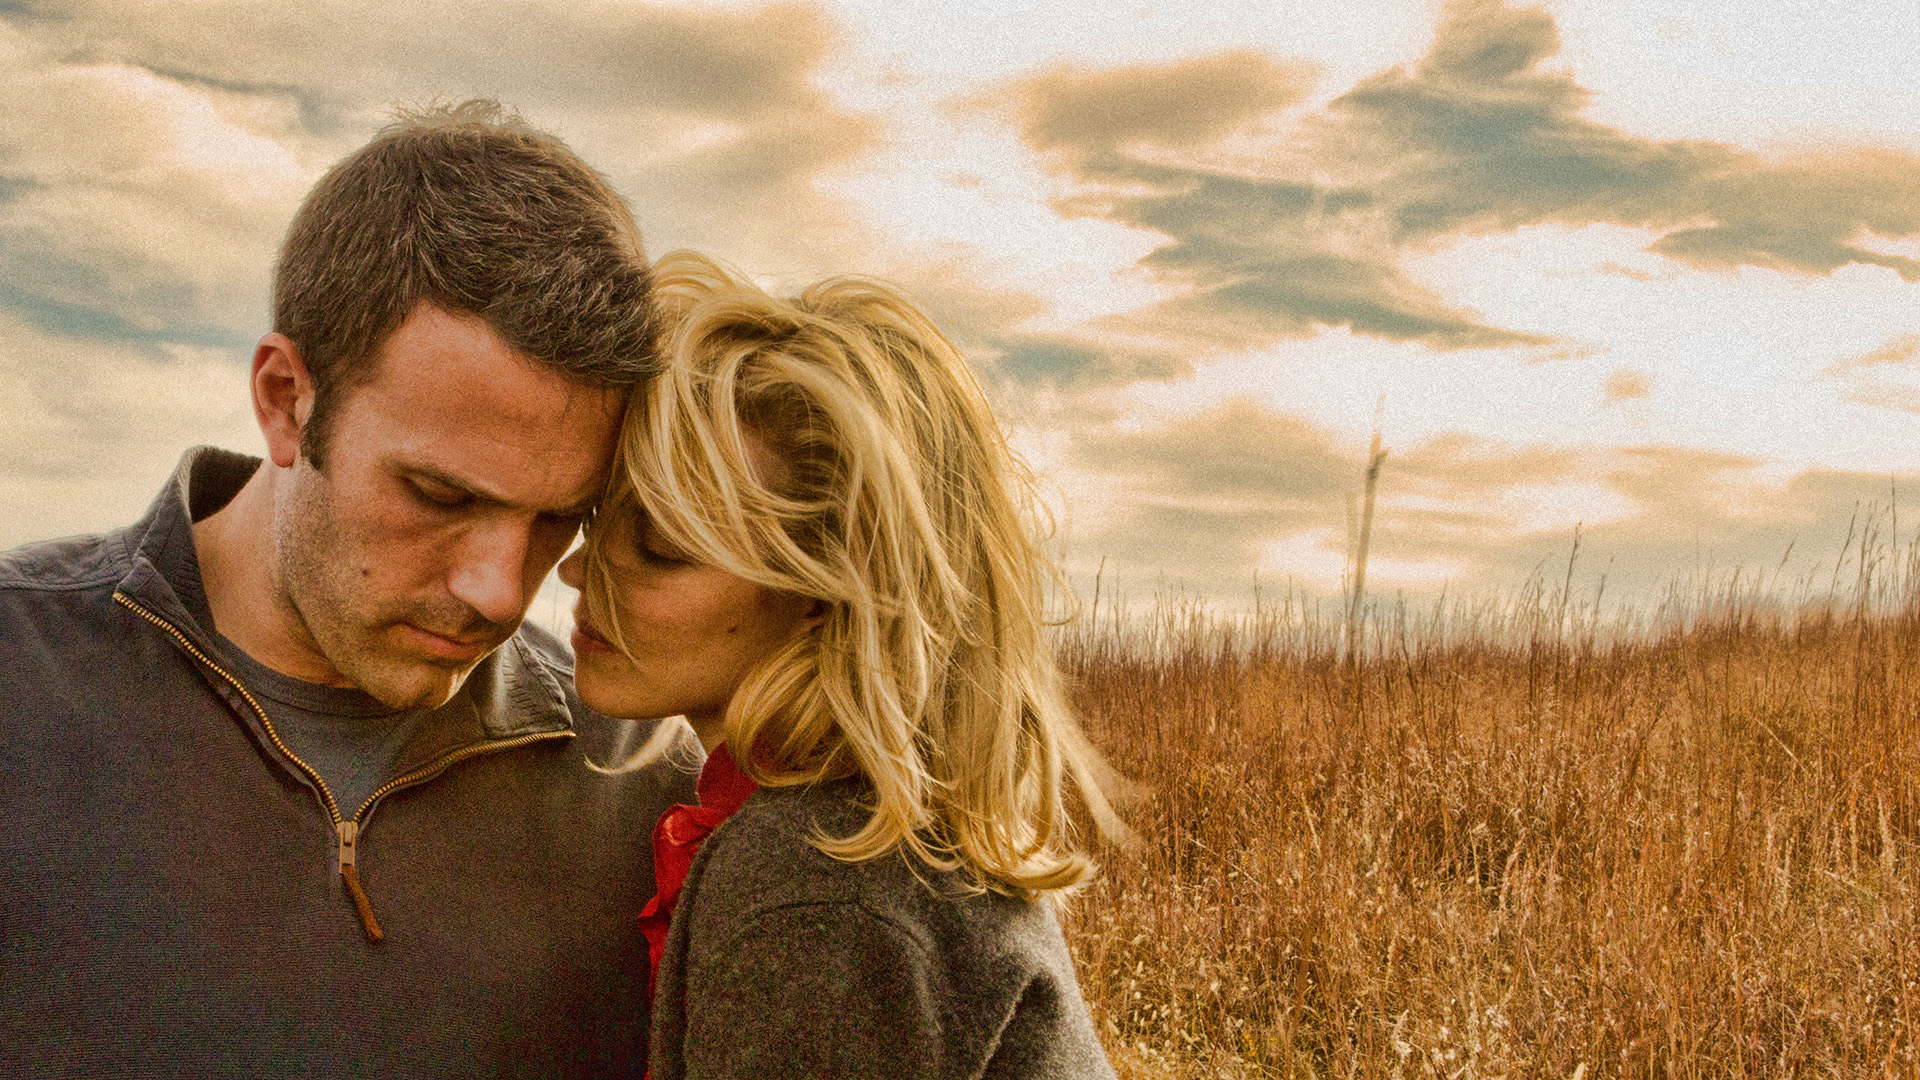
column 586, row 639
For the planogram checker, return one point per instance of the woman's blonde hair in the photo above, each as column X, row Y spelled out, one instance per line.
column 897, row 502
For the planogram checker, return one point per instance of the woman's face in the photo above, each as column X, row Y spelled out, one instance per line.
column 694, row 631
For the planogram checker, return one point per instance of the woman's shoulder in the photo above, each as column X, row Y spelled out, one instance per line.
column 881, row 967
column 762, row 860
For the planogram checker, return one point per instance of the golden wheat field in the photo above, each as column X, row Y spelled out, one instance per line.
column 1516, row 840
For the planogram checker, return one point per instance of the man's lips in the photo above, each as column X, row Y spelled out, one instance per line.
column 459, row 650
column 586, row 639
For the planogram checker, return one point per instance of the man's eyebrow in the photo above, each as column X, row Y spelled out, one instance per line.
column 448, row 480
column 467, row 487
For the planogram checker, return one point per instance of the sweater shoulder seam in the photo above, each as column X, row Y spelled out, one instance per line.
column 755, row 917
column 107, row 552
column 27, row 585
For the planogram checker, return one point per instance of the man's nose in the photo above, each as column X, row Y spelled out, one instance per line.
column 490, row 576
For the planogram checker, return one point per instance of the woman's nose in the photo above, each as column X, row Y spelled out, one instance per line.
column 573, row 567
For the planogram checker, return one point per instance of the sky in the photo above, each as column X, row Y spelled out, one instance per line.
column 1647, row 269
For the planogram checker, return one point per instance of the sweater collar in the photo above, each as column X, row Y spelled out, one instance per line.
column 165, row 574
column 723, row 787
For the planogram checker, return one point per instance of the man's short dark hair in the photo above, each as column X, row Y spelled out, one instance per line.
column 468, row 208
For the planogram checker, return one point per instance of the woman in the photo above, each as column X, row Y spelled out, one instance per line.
column 817, row 549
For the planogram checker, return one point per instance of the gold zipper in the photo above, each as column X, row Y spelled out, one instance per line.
column 326, row 795
column 439, row 765
column 347, row 830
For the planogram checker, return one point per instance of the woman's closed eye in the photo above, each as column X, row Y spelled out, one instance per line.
column 654, row 556
column 654, row 550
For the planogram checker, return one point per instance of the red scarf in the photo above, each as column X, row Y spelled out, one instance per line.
column 676, row 840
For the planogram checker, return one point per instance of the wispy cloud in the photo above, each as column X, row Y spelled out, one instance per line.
column 1886, row 377
column 1279, row 223
column 1626, row 384
column 1900, row 351
column 1090, row 115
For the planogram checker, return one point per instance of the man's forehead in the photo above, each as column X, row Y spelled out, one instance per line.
column 504, row 389
column 458, row 352
column 529, row 417
column 518, row 436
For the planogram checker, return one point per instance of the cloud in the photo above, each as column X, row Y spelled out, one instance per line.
column 1900, row 351
column 1005, row 332
column 151, row 155
column 1209, row 498
column 1457, row 465
column 1198, row 497
column 1177, row 106
column 70, row 406
column 1279, row 223
column 1628, row 272
column 1626, row 384
column 1078, row 361
column 88, row 428
column 1887, row 377
column 1480, row 137
column 345, row 59
column 131, row 204
column 1564, row 350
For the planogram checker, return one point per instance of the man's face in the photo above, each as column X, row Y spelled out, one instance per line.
column 454, row 481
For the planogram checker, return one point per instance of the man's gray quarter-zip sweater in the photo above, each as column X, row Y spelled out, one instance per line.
column 181, row 896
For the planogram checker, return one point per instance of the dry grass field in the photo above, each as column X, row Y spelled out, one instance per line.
column 1513, row 841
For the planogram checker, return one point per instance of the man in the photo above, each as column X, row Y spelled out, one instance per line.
column 286, row 788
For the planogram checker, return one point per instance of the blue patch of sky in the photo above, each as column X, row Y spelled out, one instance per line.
column 71, row 297
column 1042, row 361
column 97, row 323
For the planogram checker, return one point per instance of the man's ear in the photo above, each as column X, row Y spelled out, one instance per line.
column 282, row 396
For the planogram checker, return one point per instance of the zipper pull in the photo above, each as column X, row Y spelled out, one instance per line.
column 350, row 876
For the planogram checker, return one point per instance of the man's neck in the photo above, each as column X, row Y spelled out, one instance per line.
column 240, row 573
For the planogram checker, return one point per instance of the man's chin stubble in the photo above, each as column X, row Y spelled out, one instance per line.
column 415, row 682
